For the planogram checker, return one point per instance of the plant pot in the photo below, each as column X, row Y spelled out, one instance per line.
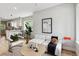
column 27, row 39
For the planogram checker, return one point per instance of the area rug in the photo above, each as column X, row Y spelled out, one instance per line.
column 15, row 52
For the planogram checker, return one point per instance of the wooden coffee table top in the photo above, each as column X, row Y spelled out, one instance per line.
column 29, row 52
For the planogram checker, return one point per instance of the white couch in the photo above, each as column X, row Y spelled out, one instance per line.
column 12, row 32
column 42, row 39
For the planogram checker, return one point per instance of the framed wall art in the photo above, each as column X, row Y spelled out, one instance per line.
column 47, row 25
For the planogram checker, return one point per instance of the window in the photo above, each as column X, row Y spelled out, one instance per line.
column 30, row 23
column 14, row 24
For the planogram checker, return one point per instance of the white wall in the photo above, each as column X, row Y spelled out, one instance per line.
column 77, row 22
column 63, row 21
column 77, row 29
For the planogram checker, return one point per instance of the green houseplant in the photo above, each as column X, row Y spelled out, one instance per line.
column 28, row 31
column 14, row 37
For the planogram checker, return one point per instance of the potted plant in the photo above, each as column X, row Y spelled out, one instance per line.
column 14, row 37
column 28, row 31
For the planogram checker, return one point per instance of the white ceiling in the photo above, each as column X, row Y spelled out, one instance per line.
column 13, row 10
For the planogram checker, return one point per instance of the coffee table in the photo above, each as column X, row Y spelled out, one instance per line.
column 29, row 52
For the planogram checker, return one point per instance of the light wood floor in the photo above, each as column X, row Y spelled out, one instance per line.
column 64, row 52
column 67, row 53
